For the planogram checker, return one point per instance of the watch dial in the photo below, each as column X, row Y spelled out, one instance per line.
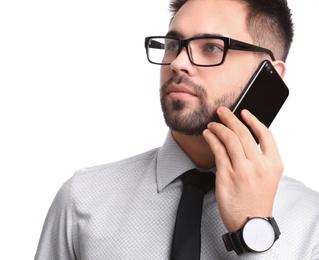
column 258, row 234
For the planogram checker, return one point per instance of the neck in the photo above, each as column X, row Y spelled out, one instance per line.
column 197, row 149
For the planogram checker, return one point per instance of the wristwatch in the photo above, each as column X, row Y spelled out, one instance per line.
column 257, row 235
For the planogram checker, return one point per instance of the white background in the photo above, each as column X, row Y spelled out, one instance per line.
column 76, row 91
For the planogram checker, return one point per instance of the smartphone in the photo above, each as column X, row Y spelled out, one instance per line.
column 264, row 95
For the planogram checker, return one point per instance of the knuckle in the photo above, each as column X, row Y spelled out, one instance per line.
column 219, row 149
column 268, row 133
column 229, row 138
column 243, row 132
column 262, row 170
column 280, row 167
column 263, row 132
column 272, row 168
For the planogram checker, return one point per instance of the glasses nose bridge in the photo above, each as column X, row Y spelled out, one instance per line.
column 183, row 44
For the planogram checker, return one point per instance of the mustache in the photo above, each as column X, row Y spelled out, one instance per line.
column 196, row 88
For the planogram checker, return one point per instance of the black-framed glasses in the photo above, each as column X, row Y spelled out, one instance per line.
column 204, row 51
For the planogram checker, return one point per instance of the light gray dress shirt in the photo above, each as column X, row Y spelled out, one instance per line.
column 126, row 210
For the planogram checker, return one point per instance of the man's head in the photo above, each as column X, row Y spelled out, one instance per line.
column 190, row 94
column 268, row 22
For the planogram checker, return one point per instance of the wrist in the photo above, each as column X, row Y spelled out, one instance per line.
column 257, row 235
column 237, row 223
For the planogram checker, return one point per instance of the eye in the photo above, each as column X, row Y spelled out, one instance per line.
column 213, row 48
column 172, row 46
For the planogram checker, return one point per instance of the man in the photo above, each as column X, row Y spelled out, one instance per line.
column 127, row 210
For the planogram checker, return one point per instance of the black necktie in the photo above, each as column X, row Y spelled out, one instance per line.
column 187, row 233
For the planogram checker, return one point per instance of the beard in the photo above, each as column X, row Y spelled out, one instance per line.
column 192, row 122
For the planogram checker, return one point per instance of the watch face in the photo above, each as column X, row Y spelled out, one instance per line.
column 258, row 234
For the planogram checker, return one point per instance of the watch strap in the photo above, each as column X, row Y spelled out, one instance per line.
column 275, row 226
column 232, row 242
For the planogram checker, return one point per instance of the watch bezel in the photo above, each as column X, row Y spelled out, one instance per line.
column 266, row 225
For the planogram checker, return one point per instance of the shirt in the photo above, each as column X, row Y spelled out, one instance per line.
column 127, row 210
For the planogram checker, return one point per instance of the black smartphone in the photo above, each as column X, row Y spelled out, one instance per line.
column 264, row 95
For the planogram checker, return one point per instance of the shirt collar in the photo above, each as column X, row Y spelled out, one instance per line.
column 171, row 162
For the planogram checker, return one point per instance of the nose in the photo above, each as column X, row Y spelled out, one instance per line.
column 182, row 64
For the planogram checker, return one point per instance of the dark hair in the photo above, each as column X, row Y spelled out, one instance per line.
column 269, row 22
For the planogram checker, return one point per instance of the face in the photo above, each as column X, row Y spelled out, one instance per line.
column 190, row 95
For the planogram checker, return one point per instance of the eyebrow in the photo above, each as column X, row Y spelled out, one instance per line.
column 181, row 36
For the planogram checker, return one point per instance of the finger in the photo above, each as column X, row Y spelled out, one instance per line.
column 267, row 142
column 230, row 141
column 222, row 159
column 248, row 143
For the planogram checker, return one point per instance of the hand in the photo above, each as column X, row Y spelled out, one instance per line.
column 247, row 178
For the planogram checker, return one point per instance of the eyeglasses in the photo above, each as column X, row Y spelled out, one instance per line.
column 205, row 51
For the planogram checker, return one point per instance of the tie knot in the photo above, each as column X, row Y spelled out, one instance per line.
column 200, row 178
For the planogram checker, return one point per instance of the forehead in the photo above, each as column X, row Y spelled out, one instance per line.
column 222, row 17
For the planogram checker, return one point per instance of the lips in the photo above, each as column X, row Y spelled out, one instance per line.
column 179, row 92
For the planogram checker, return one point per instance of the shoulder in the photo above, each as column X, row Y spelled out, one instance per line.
column 295, row 189
column 128, row 164
column 108, row 177
column 89, row 186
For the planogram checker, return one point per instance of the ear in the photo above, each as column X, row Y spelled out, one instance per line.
column 280, row 67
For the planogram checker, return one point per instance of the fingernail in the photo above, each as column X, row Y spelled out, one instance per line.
column 210, row 124
column 206, row 132
column 222, row 109
column 246, row 112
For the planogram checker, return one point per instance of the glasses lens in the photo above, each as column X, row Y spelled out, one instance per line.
column 202, row 51
column 162, row 50
column 207, row 51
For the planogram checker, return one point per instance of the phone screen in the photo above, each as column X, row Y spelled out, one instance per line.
column 264, row 96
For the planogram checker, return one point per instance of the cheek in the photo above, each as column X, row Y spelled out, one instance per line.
column 222, row 84
column 228, row 79
column 217, row 84
column 165, row 74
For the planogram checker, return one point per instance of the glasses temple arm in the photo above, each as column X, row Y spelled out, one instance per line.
column 150, row 43
column 242, row 46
